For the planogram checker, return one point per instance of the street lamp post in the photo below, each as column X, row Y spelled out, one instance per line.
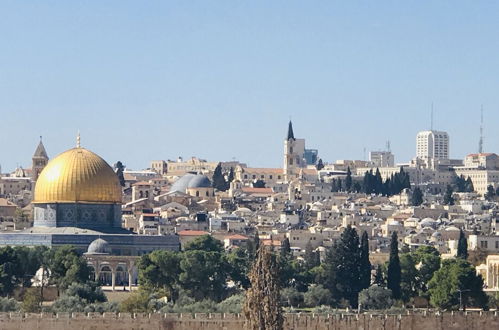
column 461, row 307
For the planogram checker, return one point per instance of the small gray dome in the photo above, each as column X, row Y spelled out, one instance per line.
column 191, row 181
column 99, row 246
column 199, row 181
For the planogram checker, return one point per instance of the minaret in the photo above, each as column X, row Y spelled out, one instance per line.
column 39, row 161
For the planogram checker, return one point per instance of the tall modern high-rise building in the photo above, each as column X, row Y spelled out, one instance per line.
column 432, row 145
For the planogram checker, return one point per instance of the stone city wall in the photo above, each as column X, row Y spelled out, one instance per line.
column 109, row 321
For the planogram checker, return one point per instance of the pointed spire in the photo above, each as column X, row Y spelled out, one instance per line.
column 78, row 140
column 291, row 135
column 40, row 150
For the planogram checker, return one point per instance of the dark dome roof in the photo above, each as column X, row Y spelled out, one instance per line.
column 99, row 246
column 189, row 181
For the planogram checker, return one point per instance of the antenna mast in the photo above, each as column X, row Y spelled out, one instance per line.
column 480, row 143
column 431, row 125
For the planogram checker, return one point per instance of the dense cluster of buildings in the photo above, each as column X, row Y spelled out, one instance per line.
column 77, row 198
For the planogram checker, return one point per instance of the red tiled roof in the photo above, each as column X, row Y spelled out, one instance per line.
column 263, row 170
column 192, row 233
column 237, row 236
column 486, row 154
column 257, row 190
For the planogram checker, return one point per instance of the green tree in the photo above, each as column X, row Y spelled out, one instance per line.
column 312, row 258
column 205, row 243
column 448, row 198
column 31, row 260
column 365, row 264
column 262, row 308
column 32, row 301
column 462, row 246
column 259, row 184
column 230, row 177
column 457, row 277
column 320, row 165
column 417, row 197
column 376, row 297
column 394, row 272
column 219, row 182
column 341, row 267
column 160, row 270
column 285, row 248
column 379, row 278
column 10, row 270
column 119, row 168
column 317, row 295
column 239, row 262
column 408, row 277
column 491, row 193
column 203, row 274
column 469, row 185
column 348, row 180
column 428, row 260
column 67, row 267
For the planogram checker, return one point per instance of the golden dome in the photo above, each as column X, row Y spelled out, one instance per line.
column 77, row 175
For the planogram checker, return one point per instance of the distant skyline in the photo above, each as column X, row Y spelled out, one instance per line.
column 220, row 80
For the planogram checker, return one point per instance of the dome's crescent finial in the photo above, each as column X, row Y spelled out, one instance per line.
column 78, row 140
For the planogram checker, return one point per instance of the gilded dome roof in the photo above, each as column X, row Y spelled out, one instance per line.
column 77, row 175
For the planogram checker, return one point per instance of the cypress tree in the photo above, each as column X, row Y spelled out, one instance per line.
column 365, row 264
column 378, row 182
column 341, row 267
column 262, row 308
column 320, row 164
column 348, row 180
column 394, row 271
column 462, row 246
column 119, row 172
column 417, row 197
column 378, row 276
column 339, row 185
column 285, row 248
column 312, row 258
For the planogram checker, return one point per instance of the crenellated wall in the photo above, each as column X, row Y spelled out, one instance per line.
column 110, row 321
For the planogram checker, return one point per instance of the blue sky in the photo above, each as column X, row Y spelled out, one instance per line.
column 146, row 80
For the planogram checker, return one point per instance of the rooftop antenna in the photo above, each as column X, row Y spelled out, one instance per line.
column 480, row 143
column 431, row 125
column 388, row 146
column 364, row 153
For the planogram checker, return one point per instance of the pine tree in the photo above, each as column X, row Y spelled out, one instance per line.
column 462, row 246
column 219, row 182
column 262, row 308
column 417, row 197
column 348, row 180
column 394, row 271
column 448, row 198
column 490, row 193
column 339, row 185
column 320, row 165
column 469, row 185
column 365, row 264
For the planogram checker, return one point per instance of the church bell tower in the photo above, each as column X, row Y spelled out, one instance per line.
column 39, row 161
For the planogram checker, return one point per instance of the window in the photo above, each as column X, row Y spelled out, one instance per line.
column 270, row 177
column 483, row 244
